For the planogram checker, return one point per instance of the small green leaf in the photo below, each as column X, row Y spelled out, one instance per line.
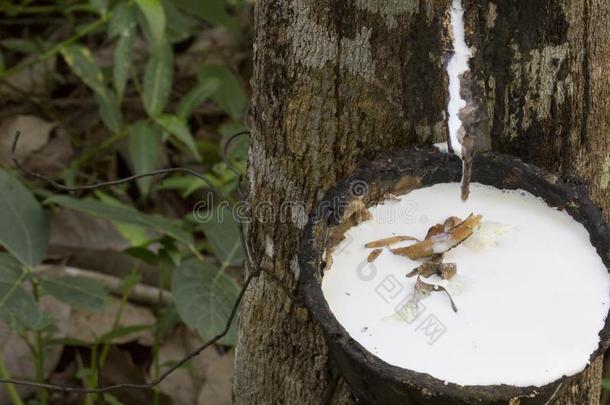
column 144, row 142
column 110, row 111
column 129, row 282
column 143, row 254
column 122, row 61
column 23, row 225
column 177, row 126
column 83, row 65
column 101, row 6
column 158, row 79
column 204, row 298
column 179, row 25
column 67, row 342
column 230, row 95
column 198, row 94
column 123, row 19
column 222, row 231
column 136, row 235
column 155, row 19
column 81, row 292
column 186, row 185
column 213, row 11
column 238, row 151
column 124, row 214
column 121, row 331
column 166, row 322
column 21, row 45
column 15, row 302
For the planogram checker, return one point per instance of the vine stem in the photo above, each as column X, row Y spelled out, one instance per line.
column 38, row 344
column 10, row 388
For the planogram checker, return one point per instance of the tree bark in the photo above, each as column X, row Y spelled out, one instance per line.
column 337, row 81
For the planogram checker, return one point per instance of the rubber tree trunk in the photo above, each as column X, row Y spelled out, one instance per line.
column 336, row 81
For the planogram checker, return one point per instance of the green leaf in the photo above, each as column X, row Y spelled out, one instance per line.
column 129, row 282
column 23, row 225
column 81, row 292
column 83, row 65
column 179, row 25
column 606, row 384
column 101, row 6
column 144, row 141
column 204, row 298
column 166, row 322
column 121, row 331
column 124, row 214
column 222, row 231
column 158, row 79
column 177, row 126
column 198, row 94
column 238, row 151
column 68, row 341
column 155, row 19
column 110, row 111
column 187, row 185
column 136, row 235
column 213, row 11
column 122, row 61
column 15, row 302
column 111, row 399
column 123, row 19
column 21, row 45
column 230, row 95
column 143, row 254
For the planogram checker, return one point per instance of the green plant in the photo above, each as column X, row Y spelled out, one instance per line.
column 192, row 258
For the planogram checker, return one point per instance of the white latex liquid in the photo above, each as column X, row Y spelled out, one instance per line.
column 458, row 64
column 531, row 291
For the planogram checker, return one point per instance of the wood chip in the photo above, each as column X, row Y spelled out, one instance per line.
column 448, row 270
column 426, row 289
column 374, row 255
column 389, row 241
column 426, row 269
column 434, row 266
column 442, row 242
column 435, row 230
column 451, row 223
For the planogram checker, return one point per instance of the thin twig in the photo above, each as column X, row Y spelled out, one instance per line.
column 160, row 172
column 141, row 293
column 225, row 159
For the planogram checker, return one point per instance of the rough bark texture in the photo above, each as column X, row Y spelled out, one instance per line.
column 337, row 81
column 543, row 65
